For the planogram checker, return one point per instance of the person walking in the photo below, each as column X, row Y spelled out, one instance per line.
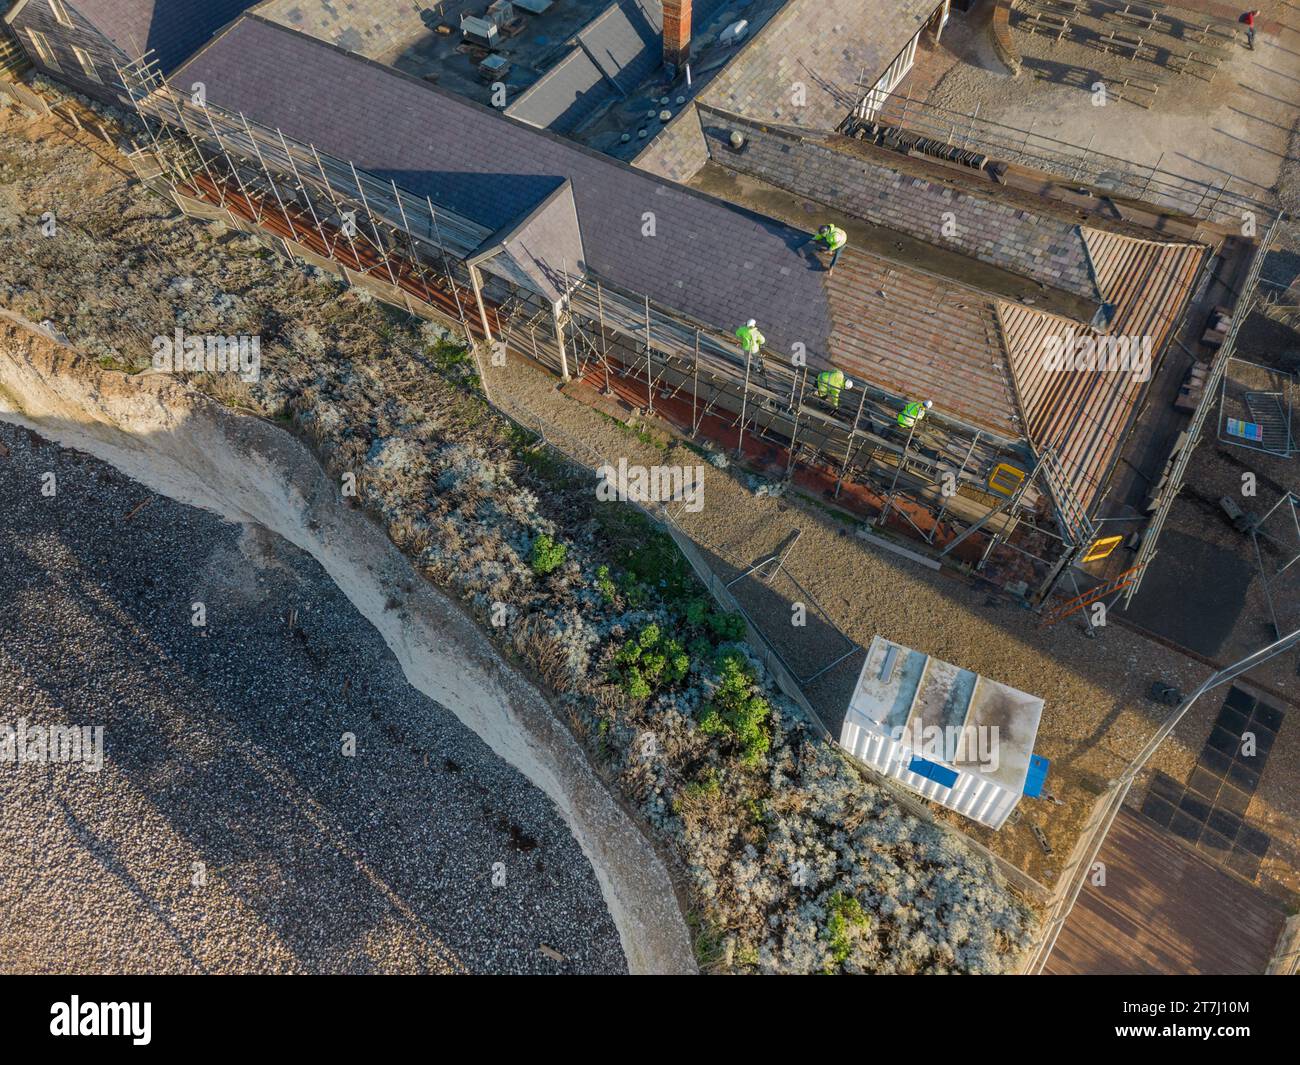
column 1248, row 17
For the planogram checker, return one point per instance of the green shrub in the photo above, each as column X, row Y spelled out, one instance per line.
column 728, row 626
column 697, row 613
column 647, row 553
column 738, row 710
column 650, row 661
column 547, row 555
column 605, row 585
column 846, row 915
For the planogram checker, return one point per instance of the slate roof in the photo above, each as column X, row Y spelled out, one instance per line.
column 828, row 46
column 174, row 29
column 625, row 40
column 825, row 44
column 544, row 251
column 707, row 259
column 613, row 54
column 565, row 96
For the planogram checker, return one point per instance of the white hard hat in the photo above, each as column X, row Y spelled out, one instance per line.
column 928, row 404
column 751, row 323
column 848, row 385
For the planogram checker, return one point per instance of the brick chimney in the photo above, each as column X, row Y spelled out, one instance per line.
column 677, row 33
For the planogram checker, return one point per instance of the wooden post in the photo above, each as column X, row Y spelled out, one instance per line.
column 478, row 298
column 557, row 316
column 649, row 375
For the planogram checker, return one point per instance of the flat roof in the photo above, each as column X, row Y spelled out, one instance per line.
column 901, row 688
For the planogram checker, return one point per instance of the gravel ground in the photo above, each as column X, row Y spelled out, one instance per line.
column 1236, row 124
column 222, row 746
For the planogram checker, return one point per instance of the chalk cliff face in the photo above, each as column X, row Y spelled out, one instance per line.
column 186, row 446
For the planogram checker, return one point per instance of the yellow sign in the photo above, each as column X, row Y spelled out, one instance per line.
column 1005, row 479
column 1102, row 548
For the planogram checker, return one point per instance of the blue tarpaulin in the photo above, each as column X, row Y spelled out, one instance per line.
column 1037, row 776
column 940, row 774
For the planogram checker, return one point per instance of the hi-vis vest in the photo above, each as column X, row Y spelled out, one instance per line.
column 835, row 237
column 750, row 339
column 911, row 414
column 831, row 381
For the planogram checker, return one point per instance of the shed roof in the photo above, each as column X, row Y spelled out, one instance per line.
column 903, row 689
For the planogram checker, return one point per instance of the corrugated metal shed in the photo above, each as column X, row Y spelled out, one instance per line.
column 955, row 737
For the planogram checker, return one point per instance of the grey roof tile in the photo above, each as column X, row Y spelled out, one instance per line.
column 486, row 166
column 173, row 29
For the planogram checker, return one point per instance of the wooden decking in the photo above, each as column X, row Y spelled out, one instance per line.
column 1164, row 910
